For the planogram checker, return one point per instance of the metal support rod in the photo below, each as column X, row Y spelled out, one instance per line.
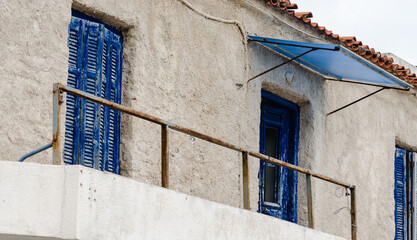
column 309, row 201
column 344, row 80
column 36, row 151
column 332, row 48
column 245, row 169
column 196, row 134
column 165, row 156
column 360, row 99
column 56, row 142
column 281, row 64
column 353, row 212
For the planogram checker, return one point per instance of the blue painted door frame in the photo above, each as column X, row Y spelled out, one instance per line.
column 279, row 139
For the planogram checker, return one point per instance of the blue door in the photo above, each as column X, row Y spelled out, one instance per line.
column 92, row 131
column 279, row 139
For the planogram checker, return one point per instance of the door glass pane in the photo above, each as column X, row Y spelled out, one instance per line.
column 271, row 173
column 271, row 142
column 270, row 184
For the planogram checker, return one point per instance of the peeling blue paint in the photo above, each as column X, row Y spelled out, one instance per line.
column 92, row 131
column 283, row 116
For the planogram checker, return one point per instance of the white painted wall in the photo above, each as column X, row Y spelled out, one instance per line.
column 75, row 202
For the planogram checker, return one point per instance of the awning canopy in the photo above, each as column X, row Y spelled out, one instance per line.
column 334, row 62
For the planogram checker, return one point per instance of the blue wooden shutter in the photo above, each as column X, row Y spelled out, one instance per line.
column 92, row 134
column 90, row 79
column 400, row 194
column 111, row 90
column 75, row 45
column 115, row 66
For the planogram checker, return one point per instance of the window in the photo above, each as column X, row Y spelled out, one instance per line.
column 404, row 194
column 279, row 139
column 92, row 131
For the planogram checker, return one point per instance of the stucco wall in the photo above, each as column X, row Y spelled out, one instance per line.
column 34, row 55
column 186, row 68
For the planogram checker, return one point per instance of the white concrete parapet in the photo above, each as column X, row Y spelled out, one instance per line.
column 74, row 202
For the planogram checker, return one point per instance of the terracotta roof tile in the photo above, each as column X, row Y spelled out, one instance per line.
column 350, row 42
column 304, row 15
column 393, row 67
column 388, row 63
column 292, row 6
column 328, row 32
column 335, row 36
column 347, row 39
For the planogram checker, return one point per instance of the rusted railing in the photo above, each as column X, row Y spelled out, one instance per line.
column 165, row 126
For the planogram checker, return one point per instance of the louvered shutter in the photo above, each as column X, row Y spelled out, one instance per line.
column 90, row 79
column 400, row 194
column 75, row 45
column 92, row 134
column 112, row 86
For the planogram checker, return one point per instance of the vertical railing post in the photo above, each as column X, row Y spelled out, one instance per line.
column 164, row 156
column 353, row 212
column 245, row 168
column 56, row 140
column 309, row 201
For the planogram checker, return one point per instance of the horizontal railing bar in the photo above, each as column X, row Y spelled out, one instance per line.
column 196, row 134
column 298, row 169
column 111, row 104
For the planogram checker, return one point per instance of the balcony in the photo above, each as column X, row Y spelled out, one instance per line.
column 74, row 202
column 46, row 202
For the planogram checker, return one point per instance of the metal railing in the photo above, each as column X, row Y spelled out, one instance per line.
column 59, row 89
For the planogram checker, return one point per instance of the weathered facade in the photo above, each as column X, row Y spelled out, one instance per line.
column 188, row 62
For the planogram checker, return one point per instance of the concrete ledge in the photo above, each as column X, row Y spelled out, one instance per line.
column 73, row 202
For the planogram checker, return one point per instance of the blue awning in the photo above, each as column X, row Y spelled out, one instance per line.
column 334, row 62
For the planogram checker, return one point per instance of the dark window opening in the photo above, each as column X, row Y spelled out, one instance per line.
column 272, row 146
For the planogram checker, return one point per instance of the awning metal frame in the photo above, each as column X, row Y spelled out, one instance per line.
column 279, row 65
column 329, row 47
column 335, row 48
column 356, row 101
column 313, row 47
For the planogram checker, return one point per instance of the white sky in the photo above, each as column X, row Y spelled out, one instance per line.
column 386, row 26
